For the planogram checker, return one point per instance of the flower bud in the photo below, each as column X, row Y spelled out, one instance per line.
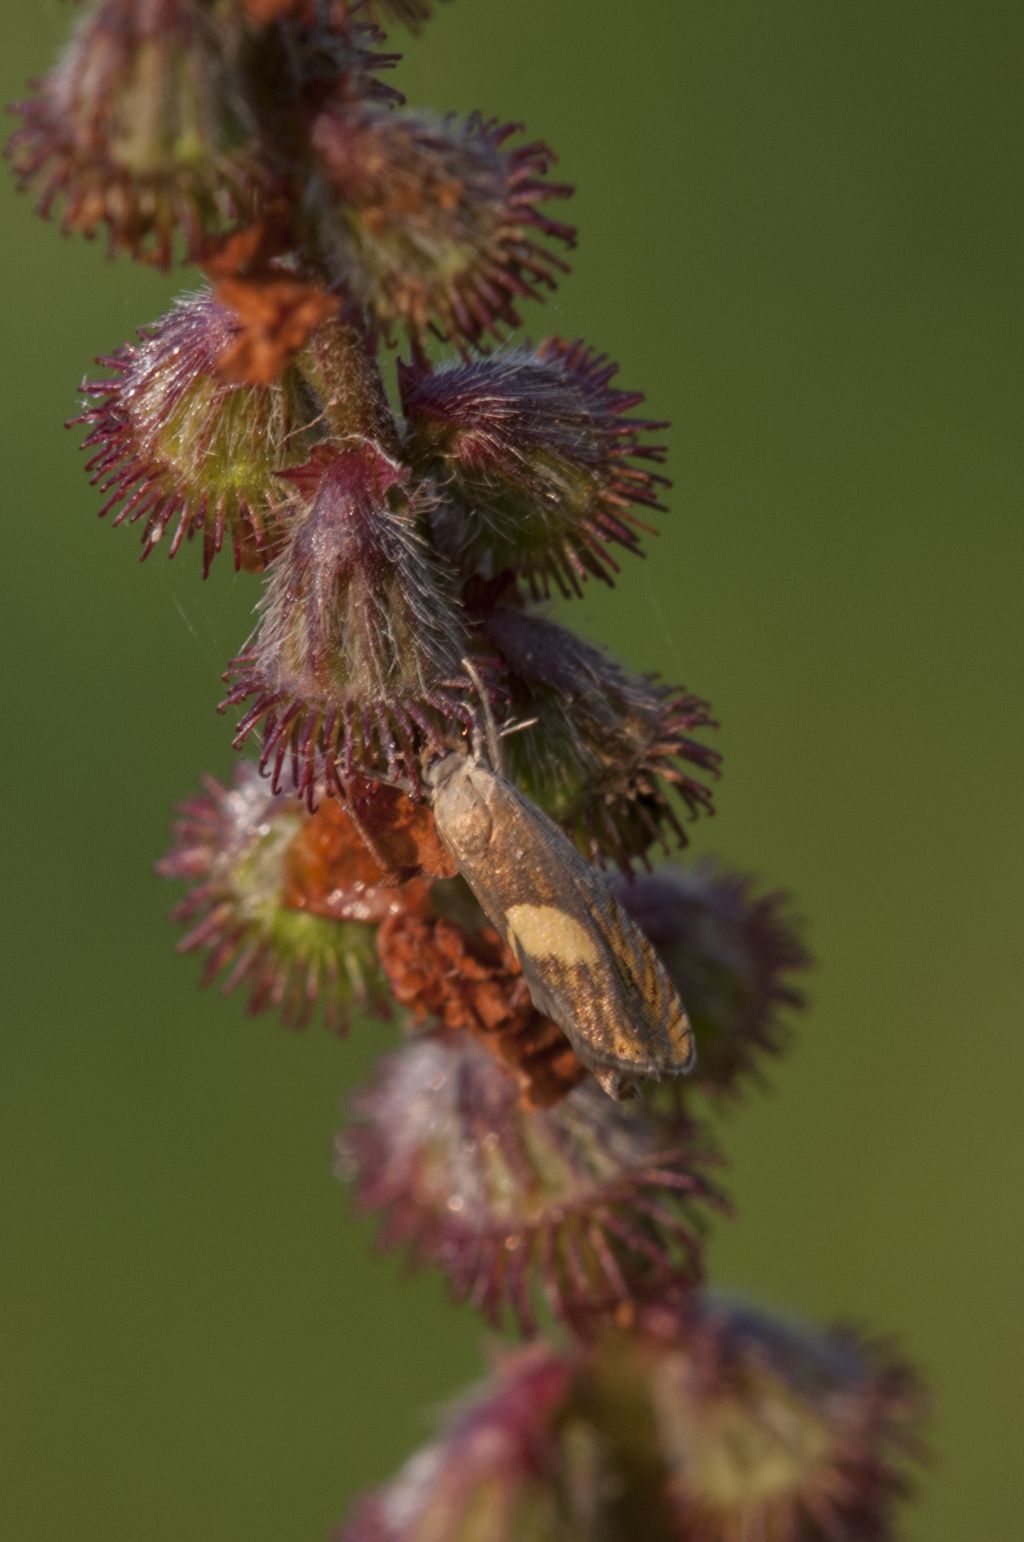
column 538, row 459
column 143, row 127
column 432, row 224
column 583, row 1206
column 172, row 443
column 608, row 746
column 295, row 932
column 504, row 1469
column 730, row 953
column 357, row 656
column 764, row 1429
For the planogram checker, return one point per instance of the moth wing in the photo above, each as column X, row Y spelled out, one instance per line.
column 659, row 1035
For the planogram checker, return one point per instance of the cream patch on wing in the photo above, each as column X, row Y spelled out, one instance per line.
column 544, row 931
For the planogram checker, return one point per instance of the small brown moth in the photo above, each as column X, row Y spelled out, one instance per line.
column 588, row 966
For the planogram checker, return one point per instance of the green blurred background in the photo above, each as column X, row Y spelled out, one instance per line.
column 801, row 235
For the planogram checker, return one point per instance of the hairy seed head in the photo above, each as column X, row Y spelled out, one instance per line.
column 356, row 662
column 581, row 1207
column 143, row 128
column 502, row 1469
column 263, row 912
column 434, row 224
column 764, row 1428
column 173, row 446
column 538, row 459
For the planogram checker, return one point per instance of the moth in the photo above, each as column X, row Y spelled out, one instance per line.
column 588, row 966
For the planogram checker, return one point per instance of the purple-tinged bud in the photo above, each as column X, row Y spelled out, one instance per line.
column 730, row 953
column 538, row 459
column 172, row 443
column 356, row 663
column 236, row 847
column 581, row 1207
column 435, row 225
column 505, row 1468
column 143, row 127
column 764, row 1429
column 608, row 748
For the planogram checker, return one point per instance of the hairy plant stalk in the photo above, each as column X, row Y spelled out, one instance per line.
column 448, row 802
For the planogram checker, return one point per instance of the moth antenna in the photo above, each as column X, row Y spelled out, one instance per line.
column 515, row 728
column 491, row 729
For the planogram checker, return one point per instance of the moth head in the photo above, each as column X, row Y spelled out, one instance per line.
column 439, row 773
column 459, row 787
